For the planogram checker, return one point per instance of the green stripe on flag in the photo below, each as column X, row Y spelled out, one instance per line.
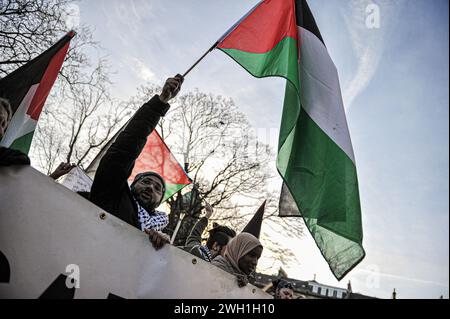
column 331, row 186
column 280, row 61
column 320, row 176
column 23, row 143
column 172, row 189
column 341, row 254
column 323, row 182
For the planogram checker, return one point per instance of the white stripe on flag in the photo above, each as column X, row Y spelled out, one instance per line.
column 320, row 90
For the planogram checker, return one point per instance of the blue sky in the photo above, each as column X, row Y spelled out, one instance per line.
column 395, row 87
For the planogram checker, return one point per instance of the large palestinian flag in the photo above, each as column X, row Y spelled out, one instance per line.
column 315, row 155
column 155, row 157
column 27, row 89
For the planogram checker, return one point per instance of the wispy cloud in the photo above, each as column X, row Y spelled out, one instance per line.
column 403, row 278
column 368, row 44
column 127, row 19
column 142, row 70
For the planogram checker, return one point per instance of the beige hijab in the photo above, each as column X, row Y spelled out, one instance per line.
column 240, row 246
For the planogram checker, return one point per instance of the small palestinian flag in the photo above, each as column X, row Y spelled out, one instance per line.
column 155, row 157
column 27, row 89
column 315, row 154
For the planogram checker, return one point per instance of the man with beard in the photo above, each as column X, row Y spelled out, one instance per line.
column 135, row 204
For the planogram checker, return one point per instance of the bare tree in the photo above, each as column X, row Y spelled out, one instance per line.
column 29, row 27
column 78, row 121
column 79, row 116
column 229, row 167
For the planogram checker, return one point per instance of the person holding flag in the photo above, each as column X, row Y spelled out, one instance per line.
column 136, row 204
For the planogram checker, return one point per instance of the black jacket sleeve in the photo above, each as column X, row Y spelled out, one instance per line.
column 9, row 157
column 110, row 180
column 195, row 237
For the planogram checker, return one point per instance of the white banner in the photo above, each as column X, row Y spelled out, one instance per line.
column 54, row 243
column 77, row 180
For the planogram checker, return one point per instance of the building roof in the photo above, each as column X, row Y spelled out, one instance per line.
column 304, row 288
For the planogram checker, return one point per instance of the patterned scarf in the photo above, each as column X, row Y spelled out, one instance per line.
column 206, row 254
column 156, row 221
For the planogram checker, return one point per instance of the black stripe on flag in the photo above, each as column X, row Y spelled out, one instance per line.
column 16, row 85
column 305, row 18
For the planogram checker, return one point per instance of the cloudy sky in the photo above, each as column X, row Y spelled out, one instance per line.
column 395, row 86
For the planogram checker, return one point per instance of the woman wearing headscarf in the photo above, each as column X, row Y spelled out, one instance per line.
column 241, row 257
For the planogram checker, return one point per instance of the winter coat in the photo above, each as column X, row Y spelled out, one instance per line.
column 194, row 241
column 110, row 189
column 10, row 156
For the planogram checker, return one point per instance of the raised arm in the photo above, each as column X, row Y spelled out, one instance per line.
column 117, row 164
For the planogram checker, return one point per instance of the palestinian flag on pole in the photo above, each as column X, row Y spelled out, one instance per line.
column 27, row 89
column 155, row 157
column 315, row 155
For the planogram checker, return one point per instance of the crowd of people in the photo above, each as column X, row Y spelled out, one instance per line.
column 237, row 254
